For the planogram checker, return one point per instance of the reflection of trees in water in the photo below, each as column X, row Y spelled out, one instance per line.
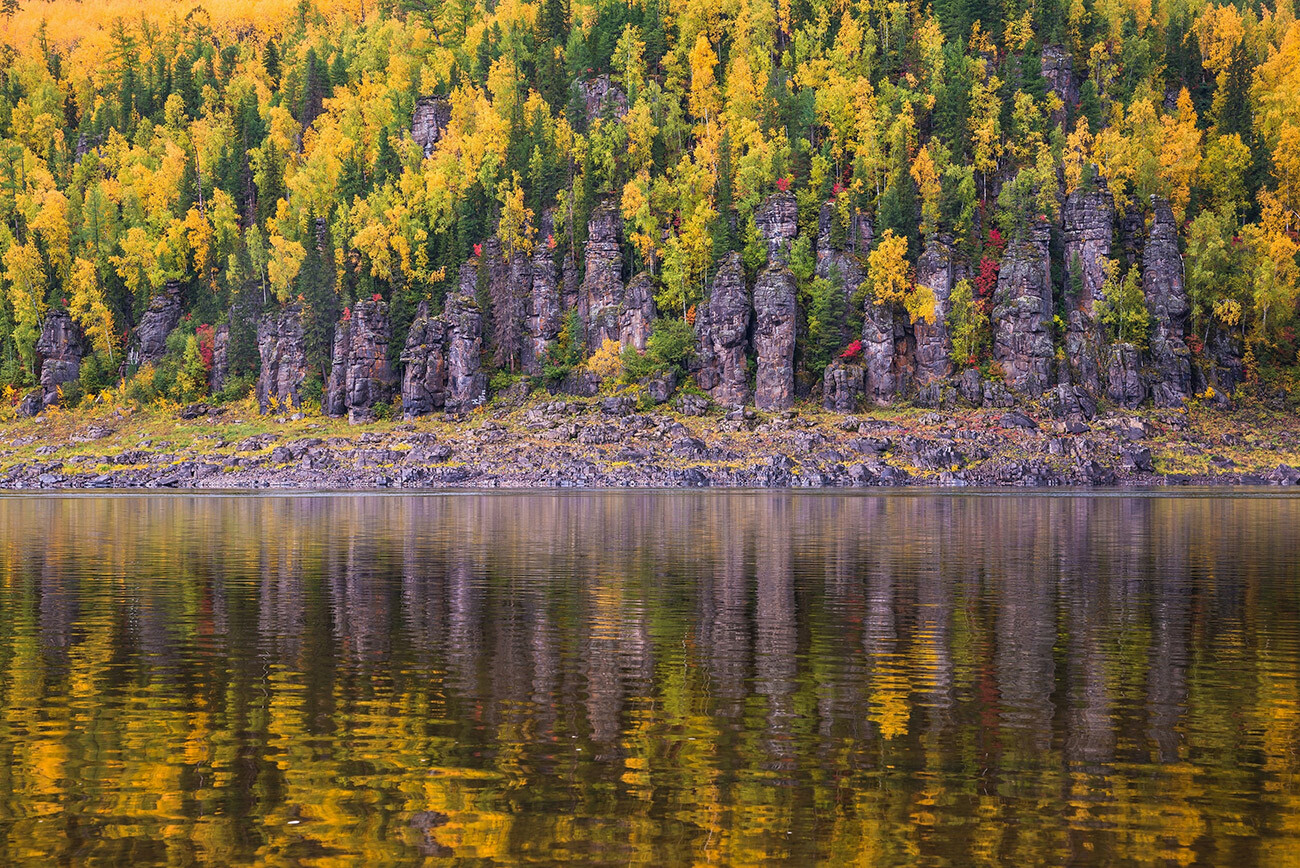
column 732, row 656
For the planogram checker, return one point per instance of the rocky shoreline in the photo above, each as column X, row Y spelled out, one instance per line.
column 608, row 443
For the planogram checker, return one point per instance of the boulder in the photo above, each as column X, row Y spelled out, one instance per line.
column 424, row 378
column 466, row 382
column 284, row 359
column 161, row 318
column 1087, row 219
column 722, row 336
column 429, row 121
column 361, row 376
column 1170, row 380
column 933, row 342
column 776, row 219
column 1022, row 313
column 775, row 315
column 843, row 386
column 601, row 296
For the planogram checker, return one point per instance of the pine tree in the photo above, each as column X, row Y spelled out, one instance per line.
column 313, row 91
column 271, row 61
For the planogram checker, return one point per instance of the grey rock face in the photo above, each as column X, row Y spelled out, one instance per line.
column 1022, row 314
column 429, row 121
column 1070, row 402
column 722, row 336
column 601, row 98
column 284, row 359
column 601, row 296
column 220, row 359
column 776, row 219
column 1162, row 283
column 509, row 284
column 163, row 315
column 933, row 342
column 1132, row 233
column 878, row 348
column 570, row 288
column 466, row 382
column 1088, row 221
column 775, row 300
column 1058, row 70
column 361, row 376
column 1124, row 384
column 61, row 348
column 843, row 386
column 1220, row 367
column 424, row 379
column 637, row 315
column 843, row 262
column 543, row 316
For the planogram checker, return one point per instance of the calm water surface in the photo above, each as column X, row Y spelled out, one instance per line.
column 650, row 678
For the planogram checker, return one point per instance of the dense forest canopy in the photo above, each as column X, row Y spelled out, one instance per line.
column 261, row 154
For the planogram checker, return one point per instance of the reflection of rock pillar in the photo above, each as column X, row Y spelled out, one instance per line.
column 423, row 614
column 361, row 610
column 58, row 611
column 774, row 611
column 1171, row 612
column 604, row 685
column 934, row 636
column 546, row 669
column 1026, row 633
column 464, row 627
column 843, row 693
column 1090, row 736
column 727, row 631
column 880, row 637
column 280, row 612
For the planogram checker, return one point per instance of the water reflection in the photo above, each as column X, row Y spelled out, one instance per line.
column 723, row 678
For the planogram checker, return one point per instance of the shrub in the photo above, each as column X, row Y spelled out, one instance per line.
column 235, row 389
column 672, row 343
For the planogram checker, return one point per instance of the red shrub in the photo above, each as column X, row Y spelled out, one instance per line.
column 207, row 342
column 852, row 351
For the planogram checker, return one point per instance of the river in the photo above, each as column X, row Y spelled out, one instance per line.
column 652, row 678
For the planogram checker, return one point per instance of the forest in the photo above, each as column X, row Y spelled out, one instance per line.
column 411, row 205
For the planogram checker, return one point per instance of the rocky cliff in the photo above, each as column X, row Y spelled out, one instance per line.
column 746, row 334
column 466, row 382
column 424, row 357
column 1170, row 375
column 1022, row 314
column 284, row 359
column 601, row 296
column 162, row 316
column 361, row 376
column 1088, row 217
column 934, row 270
column 722, row 336
column 775, row 300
